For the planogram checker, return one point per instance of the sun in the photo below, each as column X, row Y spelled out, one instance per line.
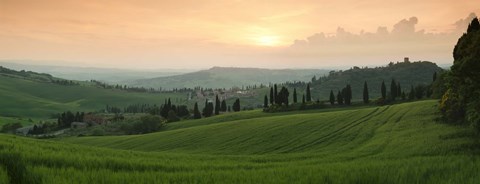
column 268, row 40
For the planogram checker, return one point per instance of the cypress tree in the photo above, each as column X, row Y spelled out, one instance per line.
column 384, row 90
column 332, row 98
column 275, row 94
column 411, row 95
column 348, row 94
column 393, row 89
column 309, row 96
column 366, row 98
column 399, row 89
column 217, row 105
column 434, row 76
column 339, row 98
column 271, row 95
column 236, row 105
column 265, row 102
column 294, row 95
column 303, row 99
column 196, row 112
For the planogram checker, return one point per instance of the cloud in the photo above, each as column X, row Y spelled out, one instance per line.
column 403, row 40
column 462, row 24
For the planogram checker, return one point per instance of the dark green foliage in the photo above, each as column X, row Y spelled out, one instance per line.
column 366, row 98
column 271, row 96
column 332, row 98
column 461, row 101
column 146, row 124
column 282, row 97
column 208, row 109
column 236, row 105
column 384, row 90
column 347, row 95
column 393, row 89
column 182, row 111
column 294, row 95
column 439, row 86
column 420, row 91
column 411, row 95
column 309, row 96
column 11, row 127
column 399, row 90
column 265, row 102
column 275, row 94
column 196, row 112
column 67, row 118
column 217, row 105
column 339, row 98
column 474, row 26
column 303, row 99
column 172, row 116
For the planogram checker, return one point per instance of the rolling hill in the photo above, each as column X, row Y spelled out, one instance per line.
column 225, row 77
column 406, row 73
column 390, row 144
column 34, row 95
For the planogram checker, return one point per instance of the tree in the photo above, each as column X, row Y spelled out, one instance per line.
column 271, row 95
column 217, row 105
column 283, row 96
column 339, row 98
column 434, row 76
column 236, row 105
column 196, row 112
column 309, row 96
column 366, row 98
column 411, row 95
column 419, row 91
column 265, row 102
column 172, row 116
column 294, row 95
column 348, row 95
column 208, row 109
column 384, row 90
column 393, row 89
column 332, row 98
column 303, row 99
column 399, row 89
column 275, row 94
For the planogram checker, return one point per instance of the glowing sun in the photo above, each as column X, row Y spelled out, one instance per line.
column 268, row 40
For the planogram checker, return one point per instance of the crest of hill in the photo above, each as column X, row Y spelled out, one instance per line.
column 226, row 77
column 406, row 73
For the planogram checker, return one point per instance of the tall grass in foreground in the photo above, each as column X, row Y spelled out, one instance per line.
column 392, row 144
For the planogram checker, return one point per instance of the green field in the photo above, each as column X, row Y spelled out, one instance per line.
column 391, row 144
column 26, row 98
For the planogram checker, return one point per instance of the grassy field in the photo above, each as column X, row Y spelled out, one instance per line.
column 391, row 144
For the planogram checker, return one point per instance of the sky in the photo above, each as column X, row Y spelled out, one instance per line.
column 147, row 34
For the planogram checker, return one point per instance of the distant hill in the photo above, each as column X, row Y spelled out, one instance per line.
column 109, row 75
column 226, row 77
column 407, row 73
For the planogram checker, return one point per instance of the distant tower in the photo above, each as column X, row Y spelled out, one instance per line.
column 406, row 60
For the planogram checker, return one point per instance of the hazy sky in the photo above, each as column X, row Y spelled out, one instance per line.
column 201, row 34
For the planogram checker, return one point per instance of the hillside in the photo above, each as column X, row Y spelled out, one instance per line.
column 391, row 144
column 39, row 97
column 224, row 77
column 407, row 73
